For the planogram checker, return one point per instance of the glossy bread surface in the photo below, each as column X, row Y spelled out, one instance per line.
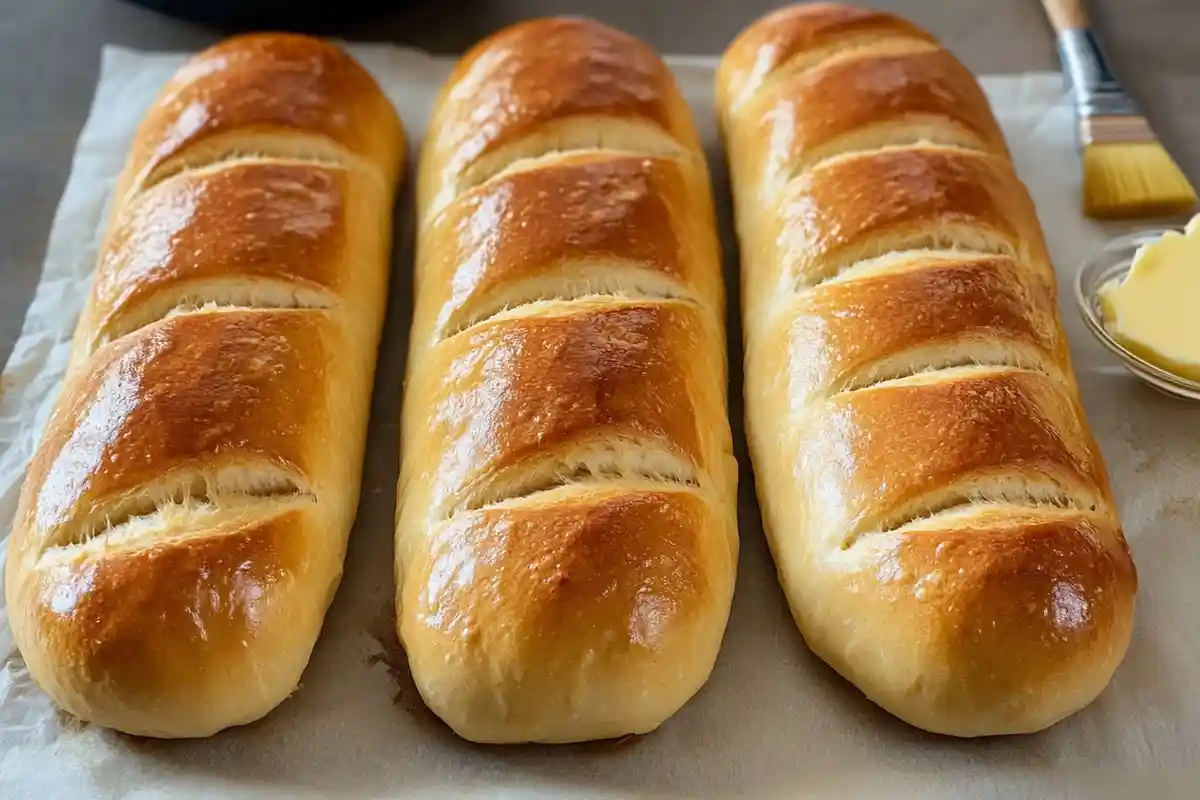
column 936, row 505
column 791, row 39
column 861, row 330
column 265, row 94
column 515, row 392
column 550, row 85
column 859, row 207
column 181, row 530
column 566, row 537
column 218, row 389
column 596, row 222
column 256, row 228
column 517, row 595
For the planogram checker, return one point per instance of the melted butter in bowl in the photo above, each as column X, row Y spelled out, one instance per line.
column 1140, row 297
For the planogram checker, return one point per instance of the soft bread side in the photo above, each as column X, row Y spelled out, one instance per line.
column 937, row 508
column 182, row 527
column 566, row 538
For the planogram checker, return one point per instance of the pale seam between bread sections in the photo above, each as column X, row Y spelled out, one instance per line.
column 173, row 505
column 625, row 280
column 250, row 488
column 312, row 150
column 614, row 461
column 971, row 492
column 638, row 464
column 602, row 135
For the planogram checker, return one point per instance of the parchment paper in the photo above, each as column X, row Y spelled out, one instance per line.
column 773, row 722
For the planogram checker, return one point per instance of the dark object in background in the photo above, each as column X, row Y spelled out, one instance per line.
column 291, row 14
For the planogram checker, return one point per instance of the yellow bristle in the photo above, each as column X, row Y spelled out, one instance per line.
column 1133, row 179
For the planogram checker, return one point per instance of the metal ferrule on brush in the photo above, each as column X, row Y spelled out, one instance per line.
column 1106, row 112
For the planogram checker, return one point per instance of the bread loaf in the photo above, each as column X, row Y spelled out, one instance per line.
column 183, row 524
column 936, row 506
column 566, row 535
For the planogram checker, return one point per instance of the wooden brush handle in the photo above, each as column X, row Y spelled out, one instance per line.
column 1066, row 15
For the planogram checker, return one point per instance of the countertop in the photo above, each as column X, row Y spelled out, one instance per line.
column 50, row 54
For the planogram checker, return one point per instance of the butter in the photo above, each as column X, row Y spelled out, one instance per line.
column 1154, row 311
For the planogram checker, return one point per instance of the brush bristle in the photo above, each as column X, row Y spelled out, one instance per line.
column 1133, row 179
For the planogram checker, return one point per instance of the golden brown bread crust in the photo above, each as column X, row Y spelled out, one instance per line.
column 298, row 95
column 566, row 533
column 910, row 447
column 123, row 630
column 985, row 619
column 601, row 219
column 632, row 567
column 521, row 390
column 794, row 37
column 858, row 207
column 853, row 208
column 183, row 523
column 210, row 389
column 255, row 228
column 861, row 330
column 938, row 510
column 903, row 90
column 888, row 88
column 546, row 85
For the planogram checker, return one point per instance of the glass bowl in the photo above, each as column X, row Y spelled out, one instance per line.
column 1113, row 261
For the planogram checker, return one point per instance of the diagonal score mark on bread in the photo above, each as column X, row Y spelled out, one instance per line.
column 979, row 494
column 570, row 226
column 180, row 415
column 906, row 92
column 849, row 48
column 913, row 131
column 954, row 201
column 921, row 363
column 509, row 109
column 610, row 461
column 214, row 295
column 177, row 503
column 589, row 368
column 585, row 282
column 238, row 149
column 782, row 50
column 928, row 115
column 261, row 102
column 975, row 311
column 573, row 136
column 579, row 484
column 952, row 240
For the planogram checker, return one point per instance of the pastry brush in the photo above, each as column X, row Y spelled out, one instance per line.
column 1126, row 170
